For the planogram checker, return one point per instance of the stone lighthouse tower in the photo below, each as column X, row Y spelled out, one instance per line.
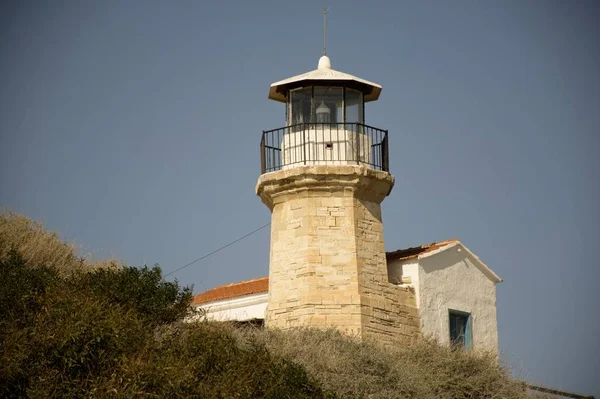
column 324, row 176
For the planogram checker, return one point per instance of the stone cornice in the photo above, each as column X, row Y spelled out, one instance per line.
column 362, row 182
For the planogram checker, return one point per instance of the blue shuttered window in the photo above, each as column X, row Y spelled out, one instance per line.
column 460, row 329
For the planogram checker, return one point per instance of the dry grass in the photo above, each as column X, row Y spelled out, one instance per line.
column 352, row 369
column 38, row 246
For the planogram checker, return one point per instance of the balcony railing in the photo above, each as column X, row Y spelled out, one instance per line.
column 324, row 144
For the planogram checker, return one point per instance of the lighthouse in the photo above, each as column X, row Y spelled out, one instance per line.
column 323, row 177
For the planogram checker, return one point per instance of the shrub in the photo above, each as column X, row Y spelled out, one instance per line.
column 116, row 333
column 22, row 289
column 204, row 360
column 56, row 339
column 142, row 289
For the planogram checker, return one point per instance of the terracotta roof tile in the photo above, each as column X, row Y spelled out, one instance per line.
column 414, row 252
column 233, row 290
column 261, row 285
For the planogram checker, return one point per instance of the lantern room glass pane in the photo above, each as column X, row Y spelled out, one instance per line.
column 328, row 104
column 354, row 106
column 300, row 101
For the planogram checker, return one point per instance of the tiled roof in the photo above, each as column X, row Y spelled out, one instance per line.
column 233, row 290
column 414, row 252
column 261, row 285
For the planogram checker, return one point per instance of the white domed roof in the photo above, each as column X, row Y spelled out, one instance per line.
column 324, row 63
column 324, row 76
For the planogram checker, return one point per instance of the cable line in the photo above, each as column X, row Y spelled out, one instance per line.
column 217, row 250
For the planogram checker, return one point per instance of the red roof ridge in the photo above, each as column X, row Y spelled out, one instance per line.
column 233, row 290
column 414, row 252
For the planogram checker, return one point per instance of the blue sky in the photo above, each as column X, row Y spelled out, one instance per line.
column 133, row 129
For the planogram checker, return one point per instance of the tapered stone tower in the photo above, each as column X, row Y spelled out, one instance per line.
column 324, row 176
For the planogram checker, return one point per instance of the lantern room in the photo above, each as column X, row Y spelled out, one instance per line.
column 324, row 95
column 325, row 122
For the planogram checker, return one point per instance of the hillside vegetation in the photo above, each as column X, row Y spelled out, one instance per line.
column 74, row 328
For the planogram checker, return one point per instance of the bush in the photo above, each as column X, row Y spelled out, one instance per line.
column 22, row 289
column 204, row 360
column 55, row 339
column 119, row 333
column 142, row 289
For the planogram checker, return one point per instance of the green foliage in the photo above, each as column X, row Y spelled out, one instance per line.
column 22, row 289
column 55, row 339
column 204, row 360
column 142, row 289
column 117, row 333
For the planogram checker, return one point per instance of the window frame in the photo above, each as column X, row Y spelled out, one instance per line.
column 468, row 334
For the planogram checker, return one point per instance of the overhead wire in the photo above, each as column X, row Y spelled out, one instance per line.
column 217, row 250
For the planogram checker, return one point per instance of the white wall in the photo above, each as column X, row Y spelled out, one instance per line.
column 240, row 309
column 450, row 279
column 310, row 144
column 397, row 269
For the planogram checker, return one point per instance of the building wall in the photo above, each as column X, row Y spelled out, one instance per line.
column 389, row 311
column 405, row 272
column 450, row 279
column 240, row 309
column 313, row 277
column 327, row 265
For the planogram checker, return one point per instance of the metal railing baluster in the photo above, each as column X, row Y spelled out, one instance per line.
column 281, row 147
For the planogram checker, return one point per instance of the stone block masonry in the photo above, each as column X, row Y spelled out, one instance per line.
column 327, row 261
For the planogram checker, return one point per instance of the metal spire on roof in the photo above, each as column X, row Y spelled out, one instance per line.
column 325, row 31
